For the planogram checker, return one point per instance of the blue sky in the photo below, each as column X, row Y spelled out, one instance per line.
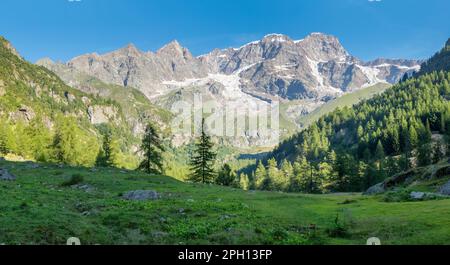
column 62, row 29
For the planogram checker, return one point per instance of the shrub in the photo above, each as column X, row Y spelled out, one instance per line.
column 338, row 229
column 397, row 196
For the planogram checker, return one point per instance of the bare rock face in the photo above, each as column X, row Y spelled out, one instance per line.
column 100, row 114
column 23, row 113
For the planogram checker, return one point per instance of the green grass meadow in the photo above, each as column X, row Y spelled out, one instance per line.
column 38, row 209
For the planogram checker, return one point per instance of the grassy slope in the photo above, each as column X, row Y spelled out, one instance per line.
column 35, row 209
column 347, row 100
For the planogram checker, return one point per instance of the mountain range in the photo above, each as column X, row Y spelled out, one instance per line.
column 317, row 67
column 301, row 74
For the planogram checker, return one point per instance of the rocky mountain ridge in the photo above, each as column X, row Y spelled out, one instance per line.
column 316, row 67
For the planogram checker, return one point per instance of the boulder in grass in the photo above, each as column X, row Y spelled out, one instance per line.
column 141, row 195
column 421, row 196
column 376, row 189
column 5, row 175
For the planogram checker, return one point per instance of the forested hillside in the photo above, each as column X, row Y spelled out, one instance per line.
column 439, row 62
column 352, row 149
column 43, row 119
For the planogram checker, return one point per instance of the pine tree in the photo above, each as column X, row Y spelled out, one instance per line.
column 244, row 182
column 227, row 176
column 425, row 152
column 106, row 150
column 287, row 171
column 40, row 138
column 152, row 149
column 261, row 178
column 427, row 134
column 302, row 181
column 111, row 154
column 360, row 133
column 412, row 138
column 72, row 146
column 274, row 175
column 202, row 161
column 114, row 158
column 325, row 175
column 379, row 152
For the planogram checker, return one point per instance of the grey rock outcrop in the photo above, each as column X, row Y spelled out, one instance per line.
column 376, row 189
column 141, row 195
column 99, row 114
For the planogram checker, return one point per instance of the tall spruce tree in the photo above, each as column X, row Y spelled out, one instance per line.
column 111, row 154
column 203, row 158
column 114, row 158
column 152, row 148
column 425, row 150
